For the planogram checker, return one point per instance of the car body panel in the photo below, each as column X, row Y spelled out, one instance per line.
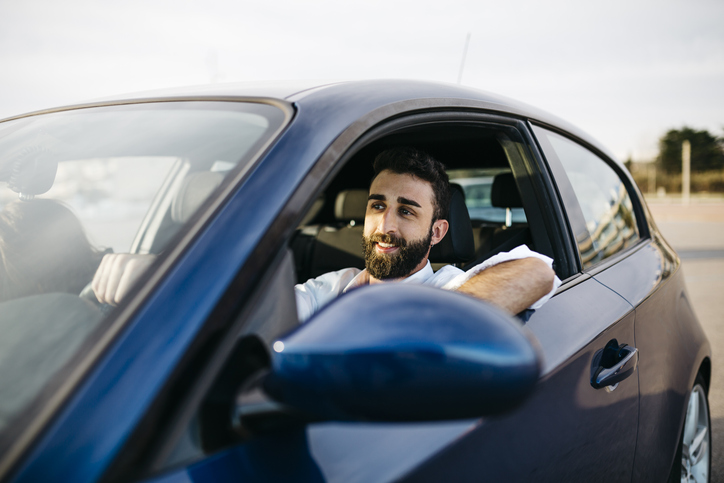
column 566, row 422
column 652, row 280
column 332, row 452
column 648, row 275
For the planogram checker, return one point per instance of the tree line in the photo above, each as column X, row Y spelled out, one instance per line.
column 707, row 163
column 707, row 150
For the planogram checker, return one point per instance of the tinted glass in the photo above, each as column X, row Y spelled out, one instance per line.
column 603, row 199
column 78, row 184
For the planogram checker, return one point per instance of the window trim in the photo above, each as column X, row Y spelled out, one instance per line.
column 544, row 211
column 577, row 223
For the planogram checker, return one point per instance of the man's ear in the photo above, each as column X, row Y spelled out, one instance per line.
column 439, row 228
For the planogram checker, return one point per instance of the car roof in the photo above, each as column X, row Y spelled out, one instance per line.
column 281, row 90
column 371, row 93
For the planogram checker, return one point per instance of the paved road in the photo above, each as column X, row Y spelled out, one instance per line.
column 697, row 233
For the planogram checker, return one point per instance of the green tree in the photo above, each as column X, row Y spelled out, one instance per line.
column 706, row 150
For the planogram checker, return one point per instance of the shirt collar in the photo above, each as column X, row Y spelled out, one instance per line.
column 421, row 276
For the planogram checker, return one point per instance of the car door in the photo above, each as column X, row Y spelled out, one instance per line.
column 643, row 269
column 569, row 430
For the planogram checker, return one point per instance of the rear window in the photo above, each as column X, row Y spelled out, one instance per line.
column 606, row 206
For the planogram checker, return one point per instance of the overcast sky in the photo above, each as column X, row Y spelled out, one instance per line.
column 623, row 70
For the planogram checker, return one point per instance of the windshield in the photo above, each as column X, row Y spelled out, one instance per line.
column 76, row 185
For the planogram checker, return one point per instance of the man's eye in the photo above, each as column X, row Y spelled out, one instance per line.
column 405, row 211
column 378, row 206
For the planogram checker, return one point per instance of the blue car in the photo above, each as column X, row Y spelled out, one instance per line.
column 235, row 193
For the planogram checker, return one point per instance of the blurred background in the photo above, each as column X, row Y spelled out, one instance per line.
column 626, row 72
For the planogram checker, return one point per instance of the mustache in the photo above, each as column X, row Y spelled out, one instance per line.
column 388, row 238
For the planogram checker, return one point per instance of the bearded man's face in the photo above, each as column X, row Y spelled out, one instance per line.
column 399, row 225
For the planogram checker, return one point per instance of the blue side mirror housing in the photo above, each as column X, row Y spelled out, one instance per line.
column 401, row 352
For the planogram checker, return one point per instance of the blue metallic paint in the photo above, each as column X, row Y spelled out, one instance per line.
column 410, row 353
column 277, row 457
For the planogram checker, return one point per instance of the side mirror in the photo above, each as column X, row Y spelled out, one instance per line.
column 399, row 352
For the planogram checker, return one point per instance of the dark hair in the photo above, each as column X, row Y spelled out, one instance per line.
column 408, row 160
column 43, row 249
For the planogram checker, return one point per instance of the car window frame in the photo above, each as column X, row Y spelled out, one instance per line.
column 574, row 212
column 543, row 209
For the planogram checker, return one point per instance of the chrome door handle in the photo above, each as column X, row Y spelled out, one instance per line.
column 613, row 364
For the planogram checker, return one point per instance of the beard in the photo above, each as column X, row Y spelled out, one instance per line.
column 398, row 265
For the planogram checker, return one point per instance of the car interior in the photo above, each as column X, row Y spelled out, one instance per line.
column 330, row 235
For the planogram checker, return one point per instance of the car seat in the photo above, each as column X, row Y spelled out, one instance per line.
column 194, row 190
column 502, row 238
column 458, row 245
column 338, row 245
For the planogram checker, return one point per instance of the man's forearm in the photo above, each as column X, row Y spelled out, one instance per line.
column 513, row 285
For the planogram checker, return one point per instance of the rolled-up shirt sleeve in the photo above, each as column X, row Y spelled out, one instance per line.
column 517, row 253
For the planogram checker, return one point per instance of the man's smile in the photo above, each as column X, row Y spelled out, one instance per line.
column 386, row 247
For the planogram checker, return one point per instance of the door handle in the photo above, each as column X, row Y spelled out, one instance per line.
column 613, row 364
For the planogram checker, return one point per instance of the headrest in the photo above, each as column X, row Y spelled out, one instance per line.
column 351, row 205
column 458, row 245
column 504, row 192
column 30, row 177
column 194, row 190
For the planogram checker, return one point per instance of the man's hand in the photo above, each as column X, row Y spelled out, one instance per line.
column 116, row 275
column 513, row 286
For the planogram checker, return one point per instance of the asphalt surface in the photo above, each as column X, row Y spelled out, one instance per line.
column 697, row 233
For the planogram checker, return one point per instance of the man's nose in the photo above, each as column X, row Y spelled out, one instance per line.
column 388, row 223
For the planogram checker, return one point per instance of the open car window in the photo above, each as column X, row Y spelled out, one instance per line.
column 478, row 161
column 75, row 185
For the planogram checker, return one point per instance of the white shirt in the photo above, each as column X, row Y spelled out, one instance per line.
column 315, row 293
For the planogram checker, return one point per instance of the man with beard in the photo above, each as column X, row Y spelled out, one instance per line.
column 408, row 199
